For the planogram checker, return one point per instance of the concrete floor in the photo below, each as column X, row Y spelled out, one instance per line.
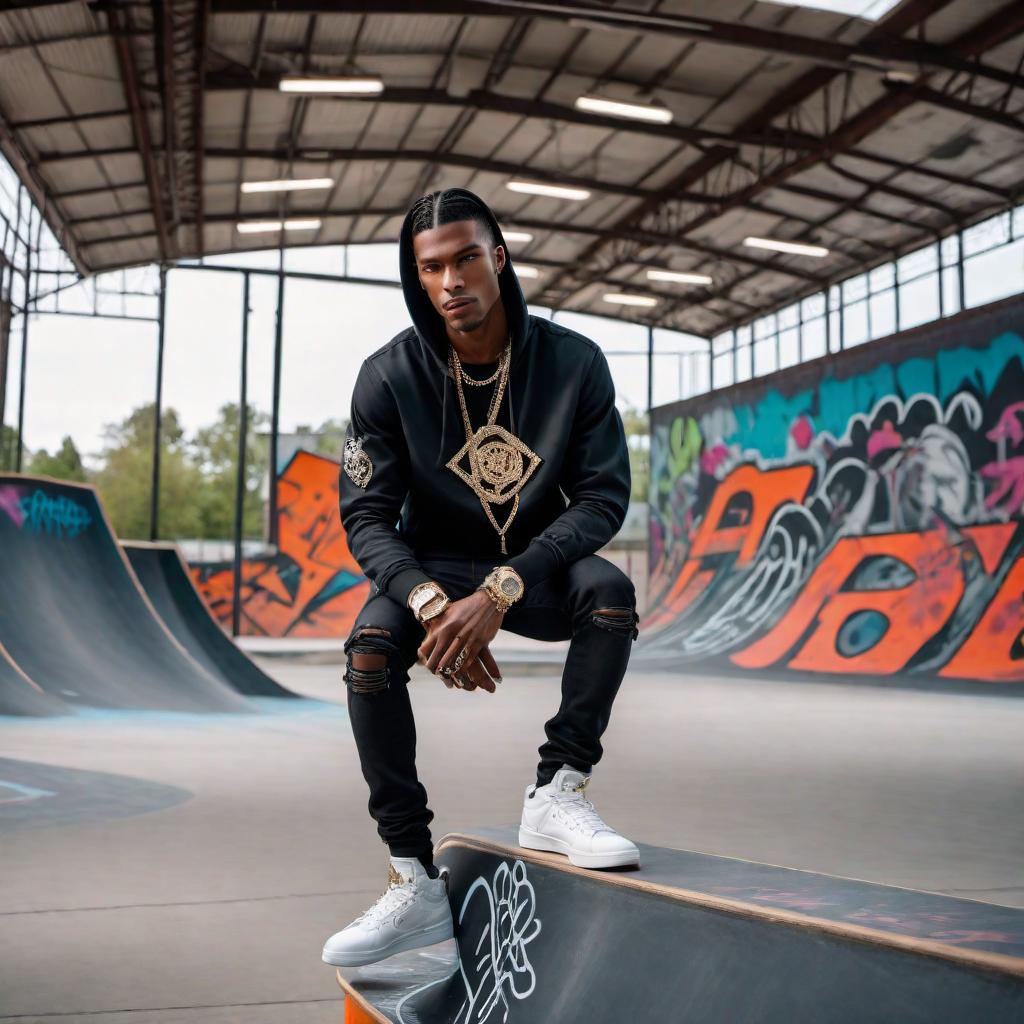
column 214, row 908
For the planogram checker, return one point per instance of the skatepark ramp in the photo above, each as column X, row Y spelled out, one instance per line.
column 19, row 695
column 691, row 937
column 73, row 617
column 165, row 578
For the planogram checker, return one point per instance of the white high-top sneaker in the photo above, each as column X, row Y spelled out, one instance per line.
column 558, row 817
column 412, row 911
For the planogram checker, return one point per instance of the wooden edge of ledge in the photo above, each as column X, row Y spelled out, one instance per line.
column 367, row 1011
column 973, row 958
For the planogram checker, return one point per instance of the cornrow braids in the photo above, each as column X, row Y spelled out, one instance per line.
column 443, row 207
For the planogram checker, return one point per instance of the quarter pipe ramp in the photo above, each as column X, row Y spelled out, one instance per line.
column 167, row 583
column 73, row 616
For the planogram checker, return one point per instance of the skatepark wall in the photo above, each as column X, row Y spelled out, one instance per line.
column 861, row 514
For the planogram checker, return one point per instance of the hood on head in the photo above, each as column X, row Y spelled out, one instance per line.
column 428, row 322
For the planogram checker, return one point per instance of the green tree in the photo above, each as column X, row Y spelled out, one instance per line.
column 331, row 440
column 638, row 439
column 8, row 447
column 215, row 450
column 64, row 464
column 125, row 479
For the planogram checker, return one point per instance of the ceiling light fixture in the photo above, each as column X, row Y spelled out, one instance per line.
column 681, row 278
column 250, row 227
column 335, row 85
column 525, row 270
column 540, row 188
column 620, row 108
column 286, row 184
column 518, row 236
column 796, row 248
column 622, row 299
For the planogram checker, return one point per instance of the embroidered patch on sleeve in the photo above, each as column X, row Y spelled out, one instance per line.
column 358, row 466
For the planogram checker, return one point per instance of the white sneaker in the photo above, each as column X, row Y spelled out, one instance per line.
column 559, row 818
column 412, row 911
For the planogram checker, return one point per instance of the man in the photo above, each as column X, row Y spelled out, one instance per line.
column 493, row 436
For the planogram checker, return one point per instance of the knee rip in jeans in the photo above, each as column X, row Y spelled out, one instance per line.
column 367, row 668
column 617, row 620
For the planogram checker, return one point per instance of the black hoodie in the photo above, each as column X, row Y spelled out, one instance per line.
column 400, row 502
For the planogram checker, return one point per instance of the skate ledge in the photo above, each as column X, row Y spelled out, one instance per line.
column 758, row 891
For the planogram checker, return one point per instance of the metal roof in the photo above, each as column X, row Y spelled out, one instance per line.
column 134, row 123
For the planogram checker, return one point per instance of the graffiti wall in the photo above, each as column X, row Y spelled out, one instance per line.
column 312, row 586
column 862, row 514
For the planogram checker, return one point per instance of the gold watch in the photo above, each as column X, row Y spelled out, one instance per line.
column 427, row 600
column 504, row 586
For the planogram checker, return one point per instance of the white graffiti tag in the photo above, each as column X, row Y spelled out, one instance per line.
column 500, row 968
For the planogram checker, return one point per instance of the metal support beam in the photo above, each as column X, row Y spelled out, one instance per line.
column 875, row 52
column 23, row 369
column 973, row 110
column 650, row 375
column 243, row 432
column 158, row 410
column 275, row 408
column 140, row 124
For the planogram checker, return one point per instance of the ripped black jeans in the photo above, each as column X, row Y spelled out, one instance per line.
column 591, row 603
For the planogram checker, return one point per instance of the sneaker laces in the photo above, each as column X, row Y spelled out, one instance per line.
column 580, row 811
column 399, row 891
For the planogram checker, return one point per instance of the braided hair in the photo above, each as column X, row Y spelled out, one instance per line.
column 443, row 207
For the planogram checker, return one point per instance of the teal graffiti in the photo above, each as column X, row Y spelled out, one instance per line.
column 59, row 516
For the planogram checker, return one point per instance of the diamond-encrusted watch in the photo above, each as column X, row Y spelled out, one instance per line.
column 427, row 600
column 504, row 586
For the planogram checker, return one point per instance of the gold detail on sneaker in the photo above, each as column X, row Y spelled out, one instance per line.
column 394, row 878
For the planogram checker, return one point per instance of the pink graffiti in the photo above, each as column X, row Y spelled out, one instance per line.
column 883, row 440
column 802, row 432
column 1009, row 425
column 713, row 458
column 1009, row 485
column 10, row 502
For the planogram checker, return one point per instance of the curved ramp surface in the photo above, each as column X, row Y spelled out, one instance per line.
column 19, row 695
column 165, row 578
column 692, row 937
column 73, row 616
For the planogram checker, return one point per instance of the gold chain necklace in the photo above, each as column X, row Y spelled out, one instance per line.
column 499, row 463
column 466, row 379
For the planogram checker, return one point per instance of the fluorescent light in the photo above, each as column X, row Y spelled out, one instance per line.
column 286, row 184
column 869, row 10
column 675, row 275
column 517, row 236
column 629, row 300
column 618, row 108
column 539, row 188
column 357, row 85
column 777, row 246
column 525, row 270
column 251, row 227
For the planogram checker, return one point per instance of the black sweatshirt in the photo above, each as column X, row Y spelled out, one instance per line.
column 406, row 424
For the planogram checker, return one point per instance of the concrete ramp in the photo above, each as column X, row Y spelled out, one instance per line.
column 166, row 581
column 19, row 695
column 689, row 937
column 73, row 616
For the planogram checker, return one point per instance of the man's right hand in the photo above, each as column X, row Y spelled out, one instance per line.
column 480, row 670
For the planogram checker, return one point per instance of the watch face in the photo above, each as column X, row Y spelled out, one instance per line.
column 509, row 586
column 425, row 595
